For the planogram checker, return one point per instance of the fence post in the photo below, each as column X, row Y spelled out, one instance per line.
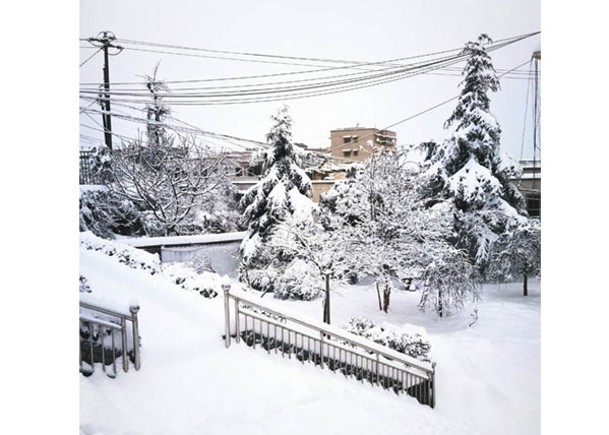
column 136, row 335
column 124, row 344
column 226, row 288
column 433, row 385
column 321, row 349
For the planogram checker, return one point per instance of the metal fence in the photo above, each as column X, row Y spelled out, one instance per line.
column 326, row 346
column 106, row 336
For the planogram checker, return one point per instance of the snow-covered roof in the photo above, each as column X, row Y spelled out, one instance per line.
column 140, row 242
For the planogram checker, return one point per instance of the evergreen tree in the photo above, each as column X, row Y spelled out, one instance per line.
column 467, row 170
column 284, row 191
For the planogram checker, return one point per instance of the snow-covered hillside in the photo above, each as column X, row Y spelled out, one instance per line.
column 488, row 375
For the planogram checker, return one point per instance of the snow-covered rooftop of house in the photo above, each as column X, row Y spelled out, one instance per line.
column 140, row 242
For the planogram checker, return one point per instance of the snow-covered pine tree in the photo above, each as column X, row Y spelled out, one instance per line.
column 467, row 170
column 283, row 191
column 517, row 253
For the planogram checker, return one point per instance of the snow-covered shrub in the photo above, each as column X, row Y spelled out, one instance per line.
column 127, row 255
column 359, row 325
column 207, row 284
column 106, row 214
column 408, row 339
column 84, row 285
column 301, row 281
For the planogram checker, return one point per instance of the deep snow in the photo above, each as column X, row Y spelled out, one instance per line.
column 488, row 375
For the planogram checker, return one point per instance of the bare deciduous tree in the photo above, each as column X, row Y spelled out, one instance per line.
column 172, row 182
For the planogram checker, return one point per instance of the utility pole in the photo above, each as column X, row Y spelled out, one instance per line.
column 105, row 40
column 536, row 59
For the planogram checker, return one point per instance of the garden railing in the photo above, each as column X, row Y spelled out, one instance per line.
column 271, row 329
column 105, row 336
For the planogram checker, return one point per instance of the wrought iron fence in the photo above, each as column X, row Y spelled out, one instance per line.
column 326, row 346
column 107, row 335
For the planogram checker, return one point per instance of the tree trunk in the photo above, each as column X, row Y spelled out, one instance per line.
column 439, row 306
column 525, row 285
column 386, row 294
column 378, row 294
column 327, row 301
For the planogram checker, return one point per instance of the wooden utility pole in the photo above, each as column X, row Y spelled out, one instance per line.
column 105, row 40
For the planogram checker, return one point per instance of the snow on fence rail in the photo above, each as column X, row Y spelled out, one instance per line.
column 101, row 332
column 325, row 345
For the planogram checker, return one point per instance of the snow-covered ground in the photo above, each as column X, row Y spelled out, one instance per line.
column 488, row 375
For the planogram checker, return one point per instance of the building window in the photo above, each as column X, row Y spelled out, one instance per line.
column 346, row 153
column 355, row 153
column 346, row 139
column 534, row 204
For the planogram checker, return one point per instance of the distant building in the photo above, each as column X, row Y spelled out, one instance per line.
column 358, row 144
column 529, row 184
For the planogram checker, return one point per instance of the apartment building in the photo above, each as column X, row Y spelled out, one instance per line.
column 358, row 143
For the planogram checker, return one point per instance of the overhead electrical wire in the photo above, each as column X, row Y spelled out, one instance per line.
column 314, row 59
column 350, row 64
column 274, row 93
column 369, row 72
column 90, row 57
column 311, row 92
column 274, row 88
column 347, row 86
column 526, row 109
column 189, row 129
column 434, row 107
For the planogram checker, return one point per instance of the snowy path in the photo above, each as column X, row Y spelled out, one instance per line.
column 190, row 384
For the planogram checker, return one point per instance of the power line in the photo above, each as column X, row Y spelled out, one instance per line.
column 440, row 104
column 268, row 94
column 90, row 57
column 314, row 59
column 189, row 129
column 350, row 64
column 308, row 94
column 274, row 89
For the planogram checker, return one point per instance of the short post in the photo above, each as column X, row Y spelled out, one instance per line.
column 327, row 300
column 321, row 349
column 226, row 288
column 136, row 336
column 378, row 375
column 433, row 385
column 124, row 344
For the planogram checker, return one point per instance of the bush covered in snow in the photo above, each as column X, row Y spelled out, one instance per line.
column 408, row 339
column 127, row 255
column 84, row 285
column 106, row 214
column 301, row 281
column 186, row 276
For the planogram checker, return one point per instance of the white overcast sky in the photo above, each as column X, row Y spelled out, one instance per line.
column 354, row 30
